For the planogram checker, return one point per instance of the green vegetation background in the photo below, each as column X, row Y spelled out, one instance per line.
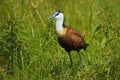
column 28, row 41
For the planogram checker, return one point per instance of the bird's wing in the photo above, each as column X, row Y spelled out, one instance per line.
column 76, row 39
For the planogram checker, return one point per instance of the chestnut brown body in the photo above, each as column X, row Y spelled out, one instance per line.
column 72, row 40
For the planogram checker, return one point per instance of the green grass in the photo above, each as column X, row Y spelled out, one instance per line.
column 28, row 41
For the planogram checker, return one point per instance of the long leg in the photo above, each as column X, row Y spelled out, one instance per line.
column 71, row 63
column 80, row 61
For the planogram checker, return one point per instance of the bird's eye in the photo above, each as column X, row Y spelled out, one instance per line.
column 57, row 14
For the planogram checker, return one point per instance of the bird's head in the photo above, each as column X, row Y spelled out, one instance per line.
column 57, row 15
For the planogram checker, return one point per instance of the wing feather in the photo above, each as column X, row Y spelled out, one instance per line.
column 76, row 39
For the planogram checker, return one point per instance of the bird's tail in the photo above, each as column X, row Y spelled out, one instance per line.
column 86, row 46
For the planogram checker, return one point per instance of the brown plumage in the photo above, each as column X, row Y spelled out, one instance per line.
column 68, row 38
column 72, row 40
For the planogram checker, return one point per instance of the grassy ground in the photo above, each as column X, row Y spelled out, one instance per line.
column 28, row 41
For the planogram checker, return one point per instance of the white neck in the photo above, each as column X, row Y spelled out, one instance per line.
column 59, row 25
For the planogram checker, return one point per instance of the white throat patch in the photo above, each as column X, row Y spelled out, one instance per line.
column 59, row 23
column 59, row 27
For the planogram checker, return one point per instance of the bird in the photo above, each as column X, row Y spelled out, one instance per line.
column 68, row 38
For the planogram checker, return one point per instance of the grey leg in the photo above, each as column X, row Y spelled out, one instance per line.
column 71, row 63
column 80, row 61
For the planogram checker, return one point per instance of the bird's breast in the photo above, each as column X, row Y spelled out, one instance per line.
column 62, row 33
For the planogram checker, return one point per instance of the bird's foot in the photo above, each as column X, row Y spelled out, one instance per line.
column 80, row 67
column 70, row 66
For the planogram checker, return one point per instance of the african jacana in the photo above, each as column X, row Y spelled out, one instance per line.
column 68, row 38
